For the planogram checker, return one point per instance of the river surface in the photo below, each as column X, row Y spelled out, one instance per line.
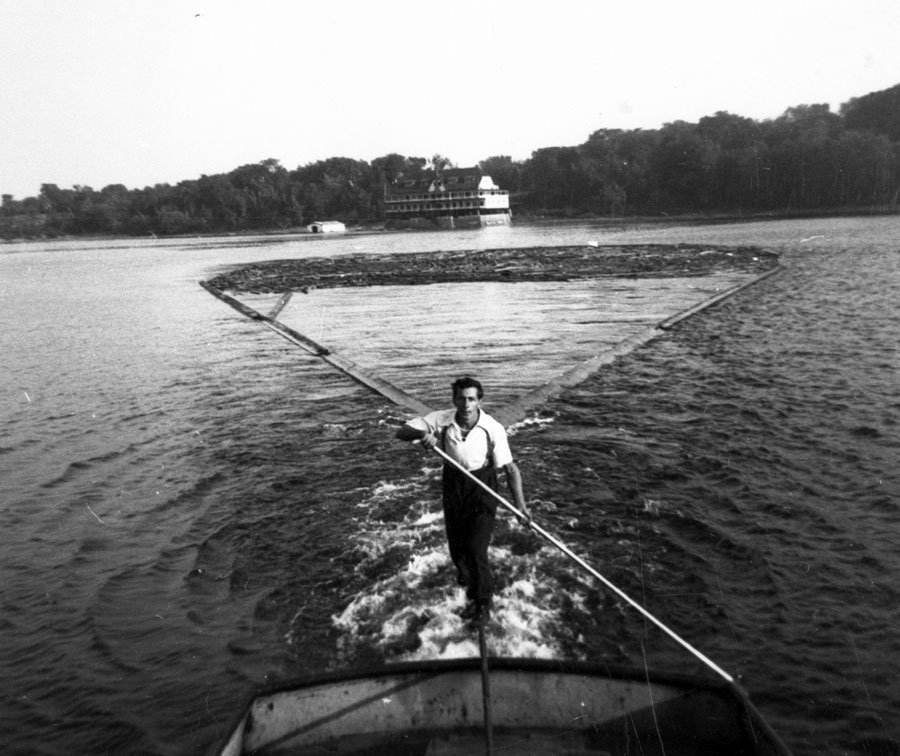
column 191, row 506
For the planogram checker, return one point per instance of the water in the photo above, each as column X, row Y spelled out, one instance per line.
column 191, row 506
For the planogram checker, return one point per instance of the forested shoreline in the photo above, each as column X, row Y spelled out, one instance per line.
column 809, row 160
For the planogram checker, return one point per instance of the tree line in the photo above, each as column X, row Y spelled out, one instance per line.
column 808, row 160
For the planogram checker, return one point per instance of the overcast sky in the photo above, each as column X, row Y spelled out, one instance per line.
column 139, row 92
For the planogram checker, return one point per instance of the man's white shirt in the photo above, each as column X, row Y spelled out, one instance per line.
column 485, row 441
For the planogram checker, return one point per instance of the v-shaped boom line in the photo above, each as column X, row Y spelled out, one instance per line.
column 511, row 413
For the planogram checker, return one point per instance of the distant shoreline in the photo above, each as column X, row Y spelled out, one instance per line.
column 504, row 265
column 377, row 227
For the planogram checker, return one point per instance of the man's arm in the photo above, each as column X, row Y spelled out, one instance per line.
column 514, row 483
column 408, row 432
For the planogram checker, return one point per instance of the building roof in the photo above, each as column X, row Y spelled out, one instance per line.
column 449, row 179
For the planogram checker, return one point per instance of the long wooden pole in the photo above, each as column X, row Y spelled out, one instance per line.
column 568, row 552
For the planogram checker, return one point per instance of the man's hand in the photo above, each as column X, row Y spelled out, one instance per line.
column 409, row 433
column 526, row 517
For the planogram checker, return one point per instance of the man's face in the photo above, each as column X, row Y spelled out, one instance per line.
column 467, row 403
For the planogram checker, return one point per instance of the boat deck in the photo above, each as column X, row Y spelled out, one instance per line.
column 430, row 708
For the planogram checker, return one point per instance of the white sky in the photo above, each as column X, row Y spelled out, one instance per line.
column 138, row 92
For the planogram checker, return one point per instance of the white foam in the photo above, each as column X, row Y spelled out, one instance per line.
column 423, row 565
column 413, row 612
column 384, row 489
column 429, row 518
column 334, row 429
column 528, row 422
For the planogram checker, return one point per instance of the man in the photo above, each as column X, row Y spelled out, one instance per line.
column 478, row 443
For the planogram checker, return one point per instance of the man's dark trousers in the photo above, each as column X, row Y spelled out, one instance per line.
column 469, row 515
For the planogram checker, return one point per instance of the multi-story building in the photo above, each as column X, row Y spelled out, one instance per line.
column 451, row 198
